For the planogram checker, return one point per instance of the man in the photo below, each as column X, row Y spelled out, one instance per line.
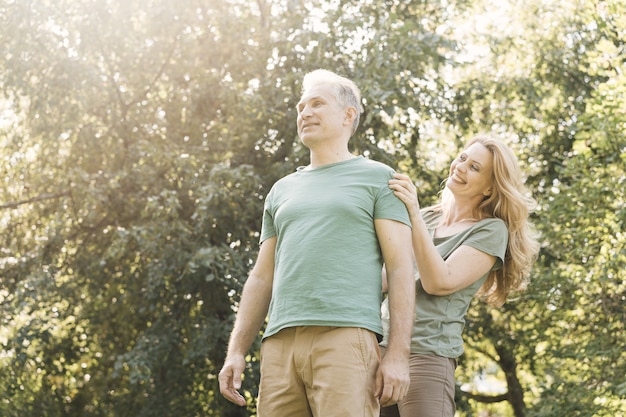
column 327, row 229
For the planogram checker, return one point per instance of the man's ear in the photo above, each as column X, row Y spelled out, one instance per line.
column 350, row 115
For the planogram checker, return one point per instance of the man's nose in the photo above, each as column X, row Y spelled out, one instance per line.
column 305, row 112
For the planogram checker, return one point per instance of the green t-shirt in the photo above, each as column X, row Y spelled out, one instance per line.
column 328, row 261
column 439, row 320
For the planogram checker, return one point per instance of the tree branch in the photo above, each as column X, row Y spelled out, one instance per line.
column 482, row 398
column 47, row 196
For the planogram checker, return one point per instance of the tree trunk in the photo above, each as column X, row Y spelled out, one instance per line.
column 509, row 366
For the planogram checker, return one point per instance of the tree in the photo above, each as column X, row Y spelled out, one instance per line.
column 548, row 90
column 139, row 140
column 117, row 292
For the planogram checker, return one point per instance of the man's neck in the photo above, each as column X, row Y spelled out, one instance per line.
column 319, row 159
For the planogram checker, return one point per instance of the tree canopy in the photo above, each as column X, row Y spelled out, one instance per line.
column 139, row 139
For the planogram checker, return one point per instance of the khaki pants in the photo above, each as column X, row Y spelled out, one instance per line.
column 431, row 393
column 319, row 372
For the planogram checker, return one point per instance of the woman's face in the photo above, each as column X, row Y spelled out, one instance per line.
column 471, row 173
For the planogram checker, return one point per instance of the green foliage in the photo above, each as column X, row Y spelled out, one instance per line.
column 139, row 139
column 117, row 294
column 560, row 91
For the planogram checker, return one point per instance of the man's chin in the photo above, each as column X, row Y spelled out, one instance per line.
column 306, row 139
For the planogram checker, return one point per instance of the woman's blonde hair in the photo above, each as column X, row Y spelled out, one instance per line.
column 509, row 201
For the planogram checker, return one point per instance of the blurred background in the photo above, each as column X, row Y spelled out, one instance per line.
column 138, row 139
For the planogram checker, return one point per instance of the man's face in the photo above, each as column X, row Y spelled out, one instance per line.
column 320, row 117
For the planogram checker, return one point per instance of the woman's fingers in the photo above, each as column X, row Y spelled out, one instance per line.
column 402, row 185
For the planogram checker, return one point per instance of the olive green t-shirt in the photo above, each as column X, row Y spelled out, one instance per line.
column 328, row 261
column 439, row 320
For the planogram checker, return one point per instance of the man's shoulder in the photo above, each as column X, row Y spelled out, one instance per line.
column 375, row 168
column 288, row 177
column 375, row 164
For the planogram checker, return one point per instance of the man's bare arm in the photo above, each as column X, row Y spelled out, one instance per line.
column 395, row 243
column 253, row 306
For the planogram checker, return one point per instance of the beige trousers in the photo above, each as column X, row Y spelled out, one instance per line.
column 319, row 372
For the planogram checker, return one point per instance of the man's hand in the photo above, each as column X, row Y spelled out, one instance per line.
column 392, row 379
column 230, row 379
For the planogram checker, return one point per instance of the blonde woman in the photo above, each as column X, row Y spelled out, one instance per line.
column 476, row 241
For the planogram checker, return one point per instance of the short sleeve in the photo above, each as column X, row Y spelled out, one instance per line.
column 490, row 237
column 268, row 228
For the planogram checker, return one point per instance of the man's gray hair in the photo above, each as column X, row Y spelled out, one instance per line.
column 346, row 91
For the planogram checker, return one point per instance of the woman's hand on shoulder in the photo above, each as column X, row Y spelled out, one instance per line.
column 405, row 190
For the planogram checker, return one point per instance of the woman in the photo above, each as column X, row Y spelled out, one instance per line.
column 476, row 241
